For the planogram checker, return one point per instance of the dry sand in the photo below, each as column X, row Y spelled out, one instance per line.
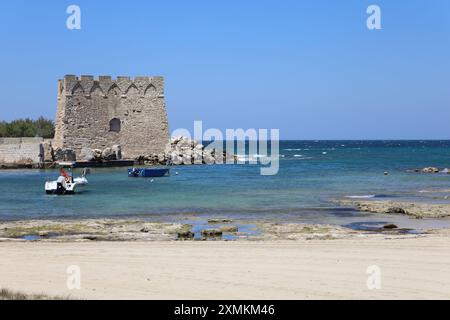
column 411, row 268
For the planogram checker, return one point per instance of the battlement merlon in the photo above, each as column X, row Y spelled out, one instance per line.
column 87, row 83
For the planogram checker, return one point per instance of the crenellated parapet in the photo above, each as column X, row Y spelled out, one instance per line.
column 106, row 86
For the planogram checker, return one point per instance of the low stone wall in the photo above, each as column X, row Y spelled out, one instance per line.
column 21, row 150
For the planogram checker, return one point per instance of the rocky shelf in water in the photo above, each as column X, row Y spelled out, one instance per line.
column 87, row 230
column 413, row 209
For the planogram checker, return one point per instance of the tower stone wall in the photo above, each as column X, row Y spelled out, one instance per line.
column 99, row 113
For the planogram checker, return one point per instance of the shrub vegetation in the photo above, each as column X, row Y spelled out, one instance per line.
column 27, row 128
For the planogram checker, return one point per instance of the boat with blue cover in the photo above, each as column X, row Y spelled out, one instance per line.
column 148, row 172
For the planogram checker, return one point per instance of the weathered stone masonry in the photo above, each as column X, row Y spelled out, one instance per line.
column 21, row 150
column 99, row 113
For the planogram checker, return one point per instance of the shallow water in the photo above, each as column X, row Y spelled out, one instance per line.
column 311, row 175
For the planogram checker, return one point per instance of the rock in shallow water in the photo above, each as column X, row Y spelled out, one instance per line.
column 212, row 233
column 229, row 229
column 91, row 238
column 396, row 210
column 430, row 170
column 186, row 235
column 220, row 220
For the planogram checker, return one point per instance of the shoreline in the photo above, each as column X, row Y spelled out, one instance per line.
column 138, row 259
column 402, row 218
column 214, row 229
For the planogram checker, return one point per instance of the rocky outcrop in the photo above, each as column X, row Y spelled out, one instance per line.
column 432, row 170
column 185, row 235
column 428, row 170
column 213, row 221
column 186, row 151
column 212, row 233
column 91, row 230
column 414, row 209
column 108, row 154
column 396, row 210
column 69, row 230
column 180, row 151
column 87, row 154
column 390, row 226
column 229, row 229
column 97, row 154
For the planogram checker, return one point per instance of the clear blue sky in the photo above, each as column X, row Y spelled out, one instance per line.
column 310, row 68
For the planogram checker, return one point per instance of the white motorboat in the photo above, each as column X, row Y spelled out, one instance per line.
column 66, row 184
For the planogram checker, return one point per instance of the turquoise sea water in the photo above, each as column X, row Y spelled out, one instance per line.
column 311, row 175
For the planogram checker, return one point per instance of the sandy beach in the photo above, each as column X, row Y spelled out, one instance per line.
column 266, row 259
column 411, row 268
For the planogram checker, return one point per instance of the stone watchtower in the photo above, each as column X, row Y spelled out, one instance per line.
column 99, row 113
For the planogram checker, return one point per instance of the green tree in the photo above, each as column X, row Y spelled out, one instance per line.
column 45, row 128
column 2, row 129
column 28, row 128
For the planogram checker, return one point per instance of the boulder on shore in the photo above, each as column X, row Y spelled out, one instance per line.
column 108, row 154
column 62, row 154
column 117, row 150
column 182, row 150
column 97, row 154
column 87, row 154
